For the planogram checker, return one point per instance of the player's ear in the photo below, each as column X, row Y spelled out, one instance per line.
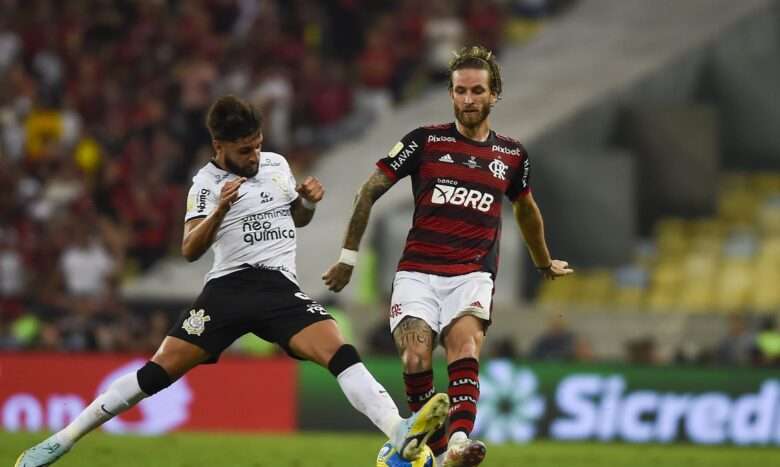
column 493, row 98
column 217, row 147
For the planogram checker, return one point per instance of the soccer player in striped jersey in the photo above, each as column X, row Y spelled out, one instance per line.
column 460, row 172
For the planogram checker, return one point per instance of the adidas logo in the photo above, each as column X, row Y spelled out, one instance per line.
column 446, row 158
column 476, row 305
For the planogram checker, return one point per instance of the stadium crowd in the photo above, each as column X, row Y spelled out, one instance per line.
column 101, row 127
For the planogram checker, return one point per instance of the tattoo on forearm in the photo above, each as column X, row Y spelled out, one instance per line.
column 413, row 332
column 371, row 191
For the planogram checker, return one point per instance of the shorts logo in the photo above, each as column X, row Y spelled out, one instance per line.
column 462, row 196
column 196, row 323
column 395, row 310
column 303, row 296
column 499, row 169
column 476, row 305
column 315, row 308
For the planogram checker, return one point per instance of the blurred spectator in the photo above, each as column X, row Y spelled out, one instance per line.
column 738, row 346
column 444, row 33
column 557, row 342
column 87, row 267
column 641, row 351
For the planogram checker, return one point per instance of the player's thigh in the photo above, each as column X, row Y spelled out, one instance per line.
column 317, row 342
column 297, row 323
column 222, row 313
column 414, row 297
column 466, row 295
column 177, row 356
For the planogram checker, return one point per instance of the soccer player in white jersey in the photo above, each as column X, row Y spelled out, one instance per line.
column 246, row 205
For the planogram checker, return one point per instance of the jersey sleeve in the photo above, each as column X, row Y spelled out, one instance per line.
column 288, row 181
column 201, row 200
column 520, row 183
column 404, row 158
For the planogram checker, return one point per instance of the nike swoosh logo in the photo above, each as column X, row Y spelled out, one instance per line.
column 241, row 196
column 103, row 408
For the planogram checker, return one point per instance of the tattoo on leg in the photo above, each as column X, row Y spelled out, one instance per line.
column 413, row 332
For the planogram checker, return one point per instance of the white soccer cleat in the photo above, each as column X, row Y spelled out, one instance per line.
column 464, row 453
column 42, row 454
column 412, row 433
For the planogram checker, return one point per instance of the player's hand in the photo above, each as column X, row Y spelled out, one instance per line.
column 229, row 194
column 311, row 189
column 338, row 276
column 557, row 268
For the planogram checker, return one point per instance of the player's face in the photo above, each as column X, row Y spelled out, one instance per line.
column 471, row 96
column 242, row 157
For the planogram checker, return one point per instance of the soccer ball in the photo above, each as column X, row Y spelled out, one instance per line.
column 389, row 457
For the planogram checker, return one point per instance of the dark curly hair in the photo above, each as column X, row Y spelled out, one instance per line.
column 231, row 119
column 480, row 58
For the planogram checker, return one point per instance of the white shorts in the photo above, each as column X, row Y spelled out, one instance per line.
column 439, row 300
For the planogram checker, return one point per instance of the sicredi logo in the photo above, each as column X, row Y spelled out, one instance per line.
column 598, row 406
column 440, row 139
column 592, row 406
column 462, row 196
column 503, row 150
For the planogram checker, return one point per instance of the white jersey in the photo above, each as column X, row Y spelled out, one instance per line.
column 258, row 230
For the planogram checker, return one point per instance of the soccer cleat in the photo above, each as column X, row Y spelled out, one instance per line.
column 466, row 453
column 42, row 454
column 412, row 433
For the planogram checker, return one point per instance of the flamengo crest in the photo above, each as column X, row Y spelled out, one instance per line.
column 498, row 168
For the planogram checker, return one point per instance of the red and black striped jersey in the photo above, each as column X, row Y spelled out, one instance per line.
column 458, row 186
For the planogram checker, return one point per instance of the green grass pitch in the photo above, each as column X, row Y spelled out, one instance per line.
column 351, row 450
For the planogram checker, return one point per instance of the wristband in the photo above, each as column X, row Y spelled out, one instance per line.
column 308, row 204
column 348, row 257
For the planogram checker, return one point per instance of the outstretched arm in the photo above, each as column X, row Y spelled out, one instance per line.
column 338, row 276
column 529, row 218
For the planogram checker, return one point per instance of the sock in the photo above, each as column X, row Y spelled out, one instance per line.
column 369, row 398
column 464, row 394
column 120, row 396
column 419, row 390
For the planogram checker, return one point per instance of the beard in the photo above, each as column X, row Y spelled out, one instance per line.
column 471, row 119
column 247, row 172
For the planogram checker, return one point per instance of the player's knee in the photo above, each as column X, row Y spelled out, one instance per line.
column 346, row 356
column 416, row 359
column 152, row 378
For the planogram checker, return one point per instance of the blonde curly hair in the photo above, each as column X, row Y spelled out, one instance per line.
column 480, row 58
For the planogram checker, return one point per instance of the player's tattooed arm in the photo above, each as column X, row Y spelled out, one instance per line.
column 338, row 276
column 415, row 336
column 369, row 193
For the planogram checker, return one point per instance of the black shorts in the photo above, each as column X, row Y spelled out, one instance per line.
column 261, row 301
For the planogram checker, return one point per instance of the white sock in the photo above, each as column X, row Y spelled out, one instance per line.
column 120, row 396
column 370, row 398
